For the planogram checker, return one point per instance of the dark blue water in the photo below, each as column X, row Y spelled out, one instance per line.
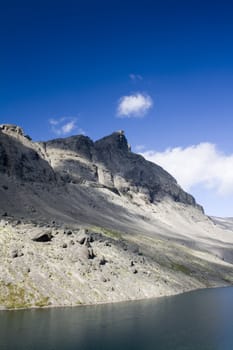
column 201, row 320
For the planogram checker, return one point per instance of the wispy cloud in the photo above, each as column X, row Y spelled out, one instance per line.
column 53, row 122
column 64, row 126
column 135, row 77
column 201, row 164
column 140, row 148
column 136, row 105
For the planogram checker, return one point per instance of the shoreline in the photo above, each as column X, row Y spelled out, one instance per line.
column 110, row 302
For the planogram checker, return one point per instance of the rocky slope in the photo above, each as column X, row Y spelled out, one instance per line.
column 88, row 222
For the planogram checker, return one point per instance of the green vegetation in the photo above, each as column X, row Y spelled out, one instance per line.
column 227, row 280
column 181, row 268
column 14, row 296
column 109, row 233
column 44, row 301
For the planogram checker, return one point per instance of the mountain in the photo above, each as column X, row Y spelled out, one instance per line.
column 83, row 220
column 77, row 163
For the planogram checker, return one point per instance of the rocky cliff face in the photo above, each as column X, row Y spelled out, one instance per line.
column 20, row 158
column 48, row 170
column 131, row 174
column 109, row 162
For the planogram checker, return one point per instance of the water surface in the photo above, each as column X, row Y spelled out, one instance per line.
column 200, row 320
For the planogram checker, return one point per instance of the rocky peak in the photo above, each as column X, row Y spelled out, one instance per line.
column 80, row 144
column 11, row 128
column 107, row 162
column 115, row 141
column 20, row 158
column 14, row 130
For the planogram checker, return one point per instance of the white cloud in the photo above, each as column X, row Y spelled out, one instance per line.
column 63, row 126
column 140, row 148
column 135, row 77
column 136, row 105
column 201, row 164
column 68, row 127
column 53, row 121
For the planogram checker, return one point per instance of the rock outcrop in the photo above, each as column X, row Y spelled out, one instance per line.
column 20, row 158
column 131, row 174
column 109, row 162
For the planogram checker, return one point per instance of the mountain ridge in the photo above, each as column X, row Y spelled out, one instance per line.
column 108, row 162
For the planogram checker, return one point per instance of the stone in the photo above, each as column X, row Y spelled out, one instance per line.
column 87, row 242
column 85, row 253
column 91, row 253
column 43, row 237
column 92, row 238
column 82, row 236
column 102, row 261
column 14, row 253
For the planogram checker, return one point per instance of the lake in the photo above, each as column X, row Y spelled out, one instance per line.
column 199, row 320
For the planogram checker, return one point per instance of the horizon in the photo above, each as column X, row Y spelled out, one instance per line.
column 160, row 71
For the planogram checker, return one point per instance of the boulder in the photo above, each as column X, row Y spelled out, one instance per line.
column 14, row 253
column 82, row 236
column 43, row 236
column 86, row 253
column 103, row 261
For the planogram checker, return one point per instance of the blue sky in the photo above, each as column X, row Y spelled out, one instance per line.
column 160, row 70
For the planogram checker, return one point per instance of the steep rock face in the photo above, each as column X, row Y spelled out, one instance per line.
column 20, row 159
column 107, row 163
column 131, row 173
column 71, row 158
